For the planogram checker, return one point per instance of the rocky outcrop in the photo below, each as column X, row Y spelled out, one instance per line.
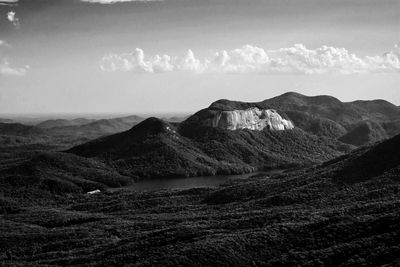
column 252, row 119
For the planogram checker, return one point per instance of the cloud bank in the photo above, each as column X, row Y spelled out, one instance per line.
column 297, row 59
column 5, row 67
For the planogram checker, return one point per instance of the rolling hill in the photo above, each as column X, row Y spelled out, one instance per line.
column 199, row 146
column 62, row 132
column 155, row 148
column 17, row 134
column 18, row 129
column 328, row 116
column 96, row 128
column 339, row 212
column 364, row 132
column 344, row 212
column 47, row 124
column 59, row 173
column 380, row 160
column 356, row 123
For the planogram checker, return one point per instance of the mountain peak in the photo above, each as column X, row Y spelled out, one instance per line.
column 299, row 99
column 292, row 94
column 229, row 105
column 151, row 122
column 121, row 143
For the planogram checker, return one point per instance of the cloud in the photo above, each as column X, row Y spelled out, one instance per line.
column 297, row 59
column 8, row 2
column 6, row 69
column 118, row 1
column 5, row 66
column 11, row 16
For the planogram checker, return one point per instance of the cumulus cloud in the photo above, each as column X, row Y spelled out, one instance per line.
column 11, row 16
column 118, row 1
column 5, row 66
column 297, row 59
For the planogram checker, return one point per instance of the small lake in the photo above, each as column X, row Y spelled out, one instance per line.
column 186, row 183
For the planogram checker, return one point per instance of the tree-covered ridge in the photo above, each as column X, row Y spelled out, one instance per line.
column 325, row 215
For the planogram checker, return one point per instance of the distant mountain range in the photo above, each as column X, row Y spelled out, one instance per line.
column 325, row 128
column 155, row 148
column 63, row 131
column 12, row 134
column 93, row 128
column 6, row 121
column 344, row 212
column 376, row 166
column 48, row 124
column 356, row 123
column 368, row 121
column 205, row 144
column 19, row 129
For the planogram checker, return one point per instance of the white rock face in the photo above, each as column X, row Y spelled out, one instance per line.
column 253, row 119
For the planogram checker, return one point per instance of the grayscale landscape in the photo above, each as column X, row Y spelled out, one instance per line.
column 199, row 133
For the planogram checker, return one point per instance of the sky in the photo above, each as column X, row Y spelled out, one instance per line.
column 122, row 56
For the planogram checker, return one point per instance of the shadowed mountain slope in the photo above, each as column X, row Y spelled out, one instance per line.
column 332, row 108
column 311, row 109
column 156, row 148
column 321, row 115
column 365, row 132
column 195, row 147
column 151, row 148
column 382, row 158
column 60, row 173
column 318, row 216
column 377, row 113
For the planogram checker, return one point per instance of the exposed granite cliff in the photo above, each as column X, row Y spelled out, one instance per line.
column 234, row 115
column 251, row 118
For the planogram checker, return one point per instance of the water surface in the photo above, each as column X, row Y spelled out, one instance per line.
column 185, row 183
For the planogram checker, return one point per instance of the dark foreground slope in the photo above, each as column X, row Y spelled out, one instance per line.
column 155, row 148
column 326, row 215
column 57, row 173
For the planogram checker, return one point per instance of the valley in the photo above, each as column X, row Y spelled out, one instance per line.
column 232, row 184
column 199, row 133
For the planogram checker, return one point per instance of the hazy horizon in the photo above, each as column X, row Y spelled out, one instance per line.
column 108, row 115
